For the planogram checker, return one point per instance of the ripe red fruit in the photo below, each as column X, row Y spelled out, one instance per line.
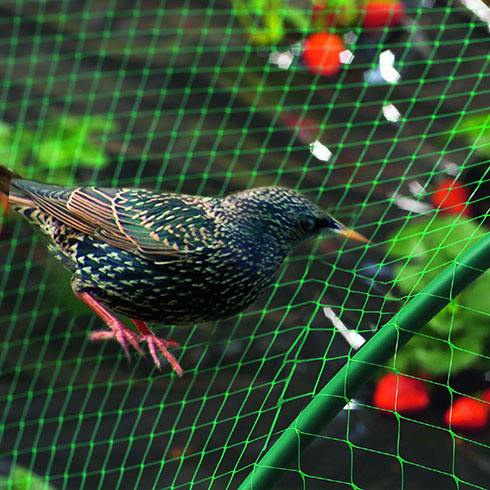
column 451, row 198
column 401, row 394
column 378, row 14
column 467, row 414
column 4, row 203
column 486, row 396
column 321, row 53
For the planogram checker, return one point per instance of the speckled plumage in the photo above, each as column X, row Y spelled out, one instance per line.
column 167, row 258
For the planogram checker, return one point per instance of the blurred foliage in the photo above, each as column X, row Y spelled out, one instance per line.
column 51, row 153
column 451, row 340
column 20, row 478
column 268, row 21
column 475, row 130
column 54, row 150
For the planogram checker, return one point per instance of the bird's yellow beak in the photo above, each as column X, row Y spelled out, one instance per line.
column 351, row 234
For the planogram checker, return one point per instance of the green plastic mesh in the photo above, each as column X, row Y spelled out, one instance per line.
column 179, row 96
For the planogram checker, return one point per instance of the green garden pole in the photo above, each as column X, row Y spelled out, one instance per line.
column 361, row 367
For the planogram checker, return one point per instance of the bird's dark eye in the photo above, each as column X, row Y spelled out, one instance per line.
column 308, row 223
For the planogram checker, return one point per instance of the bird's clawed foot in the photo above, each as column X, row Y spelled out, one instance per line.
column 127, row 337
column 157, row 344
column 120, row 333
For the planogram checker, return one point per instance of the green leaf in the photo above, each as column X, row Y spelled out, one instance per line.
column 347, row 11
column 437, row 356
column 475, row 129
column 67, row 142
column 452, row 318
column 428, row 246
column 13, row 151
column 100, row 124
column 425, row 248
column 92, row 156
column 477, row 296
column 54, row 154
column 21, row 478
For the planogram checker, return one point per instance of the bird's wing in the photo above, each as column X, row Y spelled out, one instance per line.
column 158, row 226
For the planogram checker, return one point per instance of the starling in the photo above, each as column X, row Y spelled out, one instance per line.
column 167, row 258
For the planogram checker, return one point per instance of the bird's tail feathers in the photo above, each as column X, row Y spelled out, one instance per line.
column 6, row 177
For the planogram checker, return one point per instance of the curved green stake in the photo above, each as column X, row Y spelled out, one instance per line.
column 361, row 367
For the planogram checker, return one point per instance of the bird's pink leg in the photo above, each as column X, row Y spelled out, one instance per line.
column 156, row 343
column 117, row 331
column 125, row 336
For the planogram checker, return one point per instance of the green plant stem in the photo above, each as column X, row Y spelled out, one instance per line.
column 361, row 367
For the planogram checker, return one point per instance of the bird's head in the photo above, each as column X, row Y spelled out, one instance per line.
column 285, row 216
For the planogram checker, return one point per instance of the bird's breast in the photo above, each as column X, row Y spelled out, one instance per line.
column 205, row 285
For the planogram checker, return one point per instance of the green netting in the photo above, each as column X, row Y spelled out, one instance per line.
column 212, row 97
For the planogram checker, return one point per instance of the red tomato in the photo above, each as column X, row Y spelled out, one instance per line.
column 486, row 396
column 467, row 414
column 321, row 53
column 378, row 14
column 451, row 197
column 401, row 394
column 4, row 202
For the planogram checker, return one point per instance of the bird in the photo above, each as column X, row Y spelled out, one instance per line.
column 165, row 258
